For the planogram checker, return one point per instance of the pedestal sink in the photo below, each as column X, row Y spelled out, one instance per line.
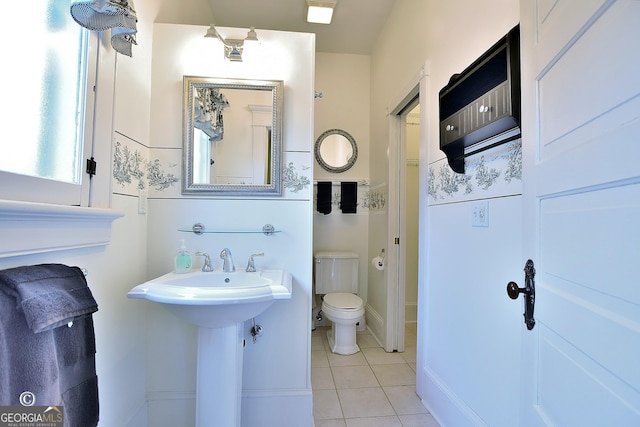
column 218, row 303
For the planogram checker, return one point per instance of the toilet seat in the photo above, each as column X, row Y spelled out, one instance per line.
column 343, row 301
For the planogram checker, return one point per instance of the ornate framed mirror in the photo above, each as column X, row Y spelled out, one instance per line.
column 232, row 143
column 336, row 150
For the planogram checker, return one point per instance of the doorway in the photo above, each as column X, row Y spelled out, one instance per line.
column 403, row 224
column 411, row 142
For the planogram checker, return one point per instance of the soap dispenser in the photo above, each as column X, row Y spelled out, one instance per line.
column 182, row 260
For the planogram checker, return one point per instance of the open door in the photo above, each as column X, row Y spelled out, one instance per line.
column 581, row 148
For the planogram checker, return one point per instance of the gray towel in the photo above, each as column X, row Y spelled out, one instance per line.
column 49, row 295
column 28, row 361
column 55, row 364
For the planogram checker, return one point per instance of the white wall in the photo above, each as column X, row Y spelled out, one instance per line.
column 276, row 383
column 466, row 321
column 343, row 81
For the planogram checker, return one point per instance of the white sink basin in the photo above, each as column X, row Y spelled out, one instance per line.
column 216, row 299
column 218, row 303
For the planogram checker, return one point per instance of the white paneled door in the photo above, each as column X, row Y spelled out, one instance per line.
column 581, row 142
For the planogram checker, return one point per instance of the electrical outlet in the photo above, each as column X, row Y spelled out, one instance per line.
column 480, row 214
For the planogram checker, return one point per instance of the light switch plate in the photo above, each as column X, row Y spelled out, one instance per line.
column 480, row 214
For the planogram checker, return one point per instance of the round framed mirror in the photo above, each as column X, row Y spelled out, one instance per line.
column 336, row 150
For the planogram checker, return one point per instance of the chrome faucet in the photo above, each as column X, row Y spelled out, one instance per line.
column 207, row 261
column 251, row 266
column 227, row 265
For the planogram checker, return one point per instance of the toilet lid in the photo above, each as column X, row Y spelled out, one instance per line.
column 343, row 300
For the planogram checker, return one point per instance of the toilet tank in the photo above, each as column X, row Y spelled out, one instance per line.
column 336, row 272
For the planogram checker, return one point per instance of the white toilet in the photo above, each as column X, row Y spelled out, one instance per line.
column 336, row 279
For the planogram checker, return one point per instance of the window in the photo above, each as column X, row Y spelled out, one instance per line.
column 48, row 103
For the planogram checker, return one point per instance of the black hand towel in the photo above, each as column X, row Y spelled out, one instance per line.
column 348, row 197
column 323, row 198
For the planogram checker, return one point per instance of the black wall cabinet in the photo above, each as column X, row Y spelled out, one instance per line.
column 482, row 102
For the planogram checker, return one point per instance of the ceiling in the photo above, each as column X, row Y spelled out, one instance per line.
column 355, row 27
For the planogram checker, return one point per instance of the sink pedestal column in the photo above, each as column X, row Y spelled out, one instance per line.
column 219, row 376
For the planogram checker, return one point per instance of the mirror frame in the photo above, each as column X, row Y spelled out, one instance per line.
column 323, row 163
column 274, row 188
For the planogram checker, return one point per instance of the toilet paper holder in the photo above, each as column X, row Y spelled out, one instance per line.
column 378, row 262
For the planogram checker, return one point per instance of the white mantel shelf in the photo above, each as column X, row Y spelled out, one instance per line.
column 29, row 228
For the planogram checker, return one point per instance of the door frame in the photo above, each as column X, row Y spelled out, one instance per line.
column 396, row 257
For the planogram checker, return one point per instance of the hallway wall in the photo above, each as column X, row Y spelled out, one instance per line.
column 463, row 270
column 343, row 81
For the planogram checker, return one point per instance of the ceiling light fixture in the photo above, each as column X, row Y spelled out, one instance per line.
column 232, row 47
column 320, row 11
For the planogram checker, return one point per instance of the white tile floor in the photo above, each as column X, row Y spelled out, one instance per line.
column 371, row 388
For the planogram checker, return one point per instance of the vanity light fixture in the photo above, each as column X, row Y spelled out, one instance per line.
column 320, row 11
column 232, row 47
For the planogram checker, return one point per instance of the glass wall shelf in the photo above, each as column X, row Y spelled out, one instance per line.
column 199, row 228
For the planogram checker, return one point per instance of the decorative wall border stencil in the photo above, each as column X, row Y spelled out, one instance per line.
column 376, row 200
column 514, row 162
column 133, row 173
column 158, row 178
column 366, row 200
column 164, row 173
column 492, row 173
column 127, row 166
column 292, row 180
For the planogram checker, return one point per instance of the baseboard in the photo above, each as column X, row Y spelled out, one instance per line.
column 282, row 408
column 411, row 312
column 137, row 416
column 444, row 404
column 171, row 408
column 375, row 324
